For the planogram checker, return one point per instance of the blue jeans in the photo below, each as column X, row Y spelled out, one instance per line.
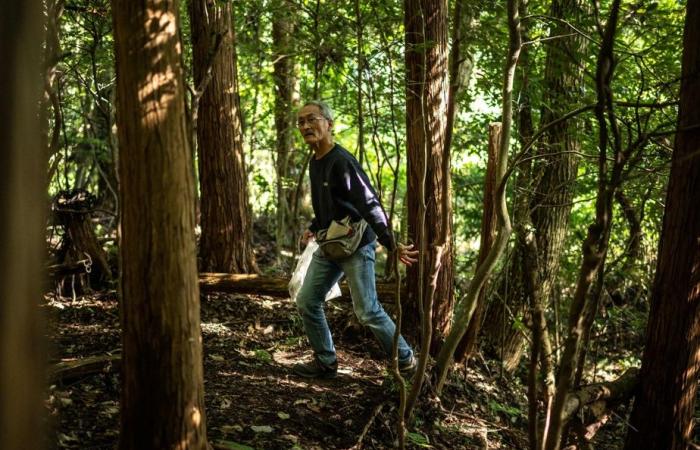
column 321, row 275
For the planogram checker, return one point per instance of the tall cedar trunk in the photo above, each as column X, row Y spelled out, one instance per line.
column 426, row 106
column 22, row 199
column 226, row 241
column 282, row 31
column 555, row 175
column 663, row 411
column 162, row 382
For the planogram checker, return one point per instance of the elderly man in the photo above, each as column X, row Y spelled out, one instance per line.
column 339, row 189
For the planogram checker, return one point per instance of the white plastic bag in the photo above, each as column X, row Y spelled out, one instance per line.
column 300, row 272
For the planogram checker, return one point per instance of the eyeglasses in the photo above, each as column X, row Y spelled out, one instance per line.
column 310, row 120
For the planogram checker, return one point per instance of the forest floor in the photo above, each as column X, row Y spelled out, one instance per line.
column 253, row 400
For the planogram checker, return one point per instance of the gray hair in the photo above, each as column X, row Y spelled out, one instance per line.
column 326, row 110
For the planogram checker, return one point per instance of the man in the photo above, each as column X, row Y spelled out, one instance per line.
column 339, row 187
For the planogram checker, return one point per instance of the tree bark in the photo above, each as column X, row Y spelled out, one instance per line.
column 489, row 222
column 226, row 240
column 162, row 377
column 467, row 305
column 429, row 198
column 663, row 411
column 22, row 199
column 73, row 210
column 286, row 165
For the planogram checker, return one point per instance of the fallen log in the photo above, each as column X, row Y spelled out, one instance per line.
column 273, row 286
column 602, row 394
column 600, row 399
column 70, row 370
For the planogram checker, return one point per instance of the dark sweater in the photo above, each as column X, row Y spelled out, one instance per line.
column 339, row 187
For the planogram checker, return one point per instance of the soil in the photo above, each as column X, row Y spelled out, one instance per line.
column 253, row 401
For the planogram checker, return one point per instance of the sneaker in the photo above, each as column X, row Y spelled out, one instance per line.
column 315, row 369
column 408, row 368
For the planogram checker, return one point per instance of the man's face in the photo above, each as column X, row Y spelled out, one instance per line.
column 314, row 128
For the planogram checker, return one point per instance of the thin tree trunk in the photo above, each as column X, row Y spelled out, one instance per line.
column 22, row 199
column 360, row 69
column 162, row 378
column 465, row 308
column 285, row 80
column 489, row 221
column 596, row 243
column 553, row 179
column 461, row 63
column 52, row 55
column 226, row 240
column 497, row 309
column 663, row 410
column 428, row 160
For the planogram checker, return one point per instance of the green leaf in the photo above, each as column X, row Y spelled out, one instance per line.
column 233, row 445
column 418, row 439
column 283, row 415
column 263, row 355
column 261, row 428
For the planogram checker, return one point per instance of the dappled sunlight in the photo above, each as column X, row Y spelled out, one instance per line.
column 161, row 27
column 158, row 92
column 160, row 88
column 195, row 416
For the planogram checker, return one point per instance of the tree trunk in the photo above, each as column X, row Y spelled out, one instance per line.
column 521, row 188
column 461, row 62
column 226, row 240
column 663, row 411
column 162, row 382
column 595, row 246
column 22, row 200
column 73, row 210
column 489, row 222
column 429, row 199
column 275, row 286
column 465, row 308
column 285, row 164
column 554, row 180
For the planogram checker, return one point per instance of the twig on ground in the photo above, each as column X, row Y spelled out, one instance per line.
column 368, row 425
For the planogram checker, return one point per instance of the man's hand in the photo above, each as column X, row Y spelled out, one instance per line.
column 406, row 254
column 307, row 237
